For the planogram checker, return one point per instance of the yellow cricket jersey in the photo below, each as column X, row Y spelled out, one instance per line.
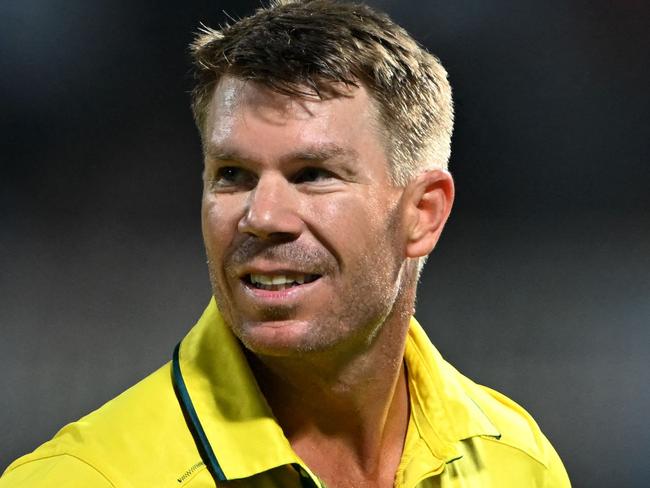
column 201, row 421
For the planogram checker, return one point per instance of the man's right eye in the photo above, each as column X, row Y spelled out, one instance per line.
column 229, row 177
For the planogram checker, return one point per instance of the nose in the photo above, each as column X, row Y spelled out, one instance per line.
column 272, row 210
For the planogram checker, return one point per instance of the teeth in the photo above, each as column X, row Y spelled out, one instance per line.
column 278, row 281
column 261, row 279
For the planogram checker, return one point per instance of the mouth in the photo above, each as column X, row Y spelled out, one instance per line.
column 278, row 282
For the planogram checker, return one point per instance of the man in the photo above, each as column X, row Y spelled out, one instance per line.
column 326, row 133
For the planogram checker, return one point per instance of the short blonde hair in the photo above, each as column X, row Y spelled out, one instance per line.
column 302, row 48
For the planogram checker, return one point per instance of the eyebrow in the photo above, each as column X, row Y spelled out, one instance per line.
column 322, row 152
column 317, row 153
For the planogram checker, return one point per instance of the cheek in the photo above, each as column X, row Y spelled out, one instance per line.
column 363, row 215
column 351, row 212
column 358, row 230
column 218, row 223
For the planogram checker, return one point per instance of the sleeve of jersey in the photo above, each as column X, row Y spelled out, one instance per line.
column 60, row 470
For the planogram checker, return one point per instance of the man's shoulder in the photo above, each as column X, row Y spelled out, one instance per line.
column 521, row 439
column 141, row 432
column 516, row 426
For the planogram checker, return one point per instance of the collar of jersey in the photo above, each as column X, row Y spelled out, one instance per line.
column 243, row 433
column 441, row 406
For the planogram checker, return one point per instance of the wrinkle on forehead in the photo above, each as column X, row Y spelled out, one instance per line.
column 232, row 94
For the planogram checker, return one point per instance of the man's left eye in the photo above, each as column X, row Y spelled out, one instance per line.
column 308, row 175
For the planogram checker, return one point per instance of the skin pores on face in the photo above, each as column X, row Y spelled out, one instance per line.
column 297, row 190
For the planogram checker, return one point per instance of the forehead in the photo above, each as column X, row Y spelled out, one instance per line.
column 249, row 114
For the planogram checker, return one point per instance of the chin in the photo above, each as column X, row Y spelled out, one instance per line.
column 281, row 339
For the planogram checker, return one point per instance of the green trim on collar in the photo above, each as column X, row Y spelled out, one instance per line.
column 236, row 419
column 193, row 422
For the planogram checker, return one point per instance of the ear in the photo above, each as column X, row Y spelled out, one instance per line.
column 428, row 205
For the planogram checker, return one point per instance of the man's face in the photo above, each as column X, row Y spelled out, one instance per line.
column 302, row 227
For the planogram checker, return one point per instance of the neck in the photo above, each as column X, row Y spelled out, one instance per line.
column 313, row 390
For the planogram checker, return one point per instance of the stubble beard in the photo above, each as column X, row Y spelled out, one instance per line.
column 353, row 321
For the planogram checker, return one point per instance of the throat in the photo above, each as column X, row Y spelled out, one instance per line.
column 358, row 454
column 350, row 434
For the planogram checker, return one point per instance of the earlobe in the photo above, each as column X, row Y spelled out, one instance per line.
column 430, row 200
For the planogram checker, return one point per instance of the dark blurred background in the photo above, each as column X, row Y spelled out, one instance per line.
column 540, row 286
